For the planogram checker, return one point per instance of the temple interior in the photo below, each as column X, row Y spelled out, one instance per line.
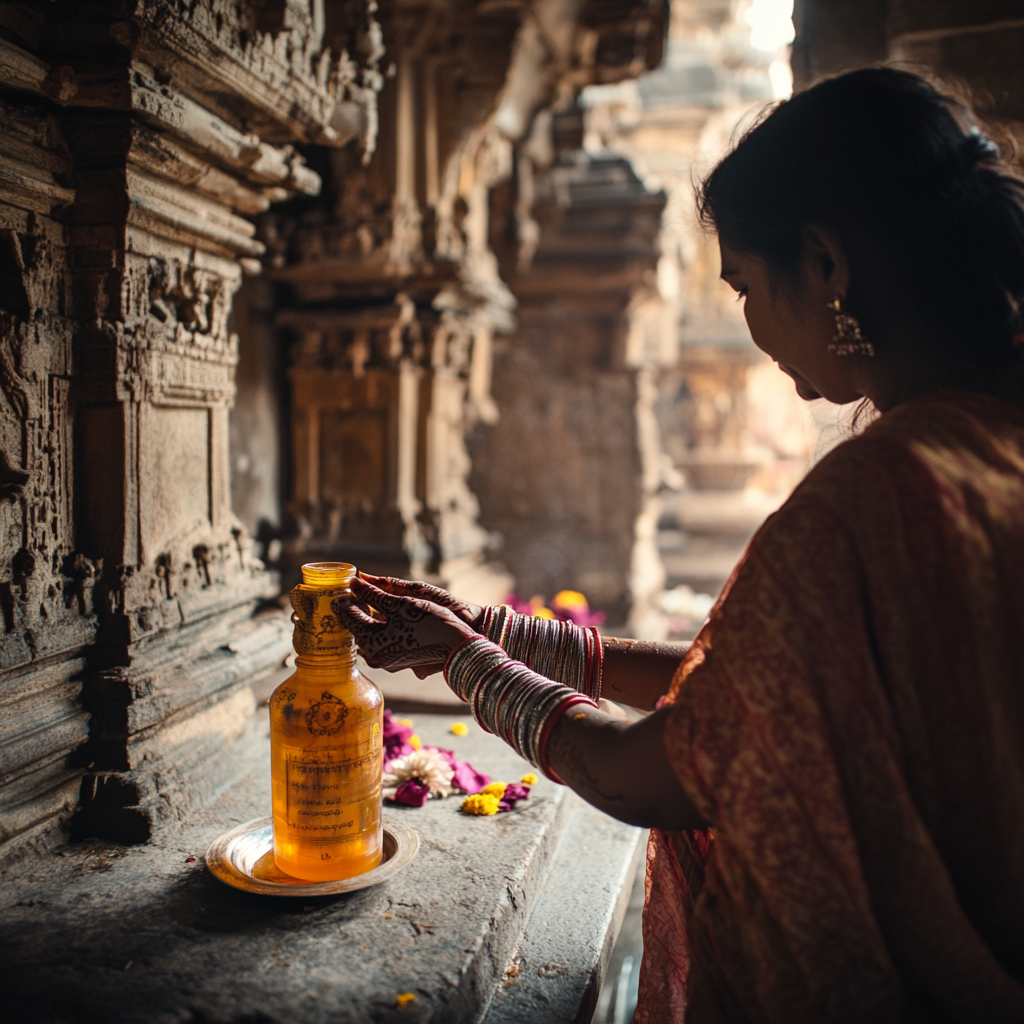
column 411, row 284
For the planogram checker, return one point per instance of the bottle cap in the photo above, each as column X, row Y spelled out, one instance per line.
column 317, row 629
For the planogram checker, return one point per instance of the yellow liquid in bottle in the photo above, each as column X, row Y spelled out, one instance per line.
column 326, row 756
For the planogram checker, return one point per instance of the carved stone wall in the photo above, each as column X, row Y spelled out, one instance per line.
column 143, row 144
column 138, row 137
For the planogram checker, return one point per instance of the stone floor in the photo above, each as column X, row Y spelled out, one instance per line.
column 501, row 919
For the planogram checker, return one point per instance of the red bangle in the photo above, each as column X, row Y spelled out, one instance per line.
column 545, row 734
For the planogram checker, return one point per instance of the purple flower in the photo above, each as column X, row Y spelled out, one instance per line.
column 468, row 779
column 412, row 793
column 517, row 604
column 395, row 737
column 514, row 792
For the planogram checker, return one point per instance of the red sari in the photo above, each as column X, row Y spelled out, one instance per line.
column 851, row 722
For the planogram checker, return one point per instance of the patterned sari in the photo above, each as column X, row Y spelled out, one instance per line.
column 851, row 722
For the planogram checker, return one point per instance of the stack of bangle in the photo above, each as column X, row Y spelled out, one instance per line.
column 509, row 699
column 558, row 650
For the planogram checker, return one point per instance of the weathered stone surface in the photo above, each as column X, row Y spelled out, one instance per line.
column 141, row 934
column 556, row 973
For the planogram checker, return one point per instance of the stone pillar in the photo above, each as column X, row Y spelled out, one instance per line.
column 569, row 475
column 395, row 294
column 138, row 138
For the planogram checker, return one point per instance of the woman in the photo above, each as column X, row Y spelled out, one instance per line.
column 850, row 720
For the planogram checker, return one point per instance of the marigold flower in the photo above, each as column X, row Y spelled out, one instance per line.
column 480, row 803
column 529, row 779
column 494, row 789
column 459, row 729
column 405, row 998
column 415, row 742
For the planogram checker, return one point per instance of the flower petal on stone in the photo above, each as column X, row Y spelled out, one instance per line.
column 468, row 779
column 514, row 792
column 395, row 736
column 412, row 793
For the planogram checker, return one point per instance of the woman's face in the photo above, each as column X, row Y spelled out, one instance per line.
column 794, row 324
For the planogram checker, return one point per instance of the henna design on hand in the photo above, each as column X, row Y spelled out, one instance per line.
column 412, row 632
column 467, row 611
column 397, row 656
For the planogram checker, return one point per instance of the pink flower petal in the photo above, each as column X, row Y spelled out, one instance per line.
column 468, row 779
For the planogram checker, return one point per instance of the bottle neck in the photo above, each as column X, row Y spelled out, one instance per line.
column 328, row 661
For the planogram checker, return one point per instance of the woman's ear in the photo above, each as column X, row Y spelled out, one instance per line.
column 825, row 265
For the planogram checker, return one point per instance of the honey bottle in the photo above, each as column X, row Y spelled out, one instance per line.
column 325, row 742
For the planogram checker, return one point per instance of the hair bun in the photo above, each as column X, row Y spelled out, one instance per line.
column 976, row 149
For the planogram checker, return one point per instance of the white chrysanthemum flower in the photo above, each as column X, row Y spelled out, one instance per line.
column 426, row 765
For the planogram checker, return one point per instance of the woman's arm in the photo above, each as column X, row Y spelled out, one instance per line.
column 638, row 672
column 621, row 769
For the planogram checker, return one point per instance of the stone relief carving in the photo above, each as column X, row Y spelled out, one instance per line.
column 145, row 137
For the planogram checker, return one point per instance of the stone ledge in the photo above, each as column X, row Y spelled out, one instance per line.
column 126, row 935
column 556, row 973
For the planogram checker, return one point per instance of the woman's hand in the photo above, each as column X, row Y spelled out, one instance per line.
column 412, row 632
column 467, row 611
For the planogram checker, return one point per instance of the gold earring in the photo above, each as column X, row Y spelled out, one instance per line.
column 848, row 340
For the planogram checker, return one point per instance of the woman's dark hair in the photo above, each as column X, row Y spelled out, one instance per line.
column 881, row 151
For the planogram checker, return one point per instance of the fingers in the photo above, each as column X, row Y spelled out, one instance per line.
column 413, row 589
column 355, row 618
column 369, row 594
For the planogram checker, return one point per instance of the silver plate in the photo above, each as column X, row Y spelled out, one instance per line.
column 244, row 858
